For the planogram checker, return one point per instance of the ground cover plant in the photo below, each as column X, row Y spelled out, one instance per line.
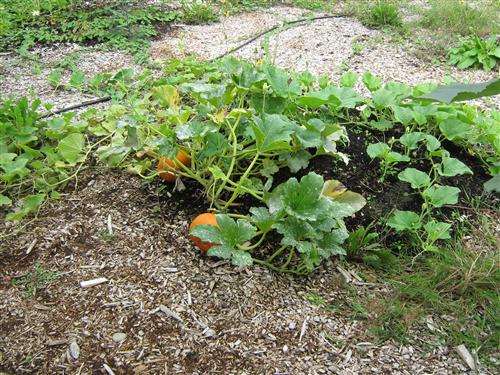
column 121, row 25
column 476, row 52
column 236, row 130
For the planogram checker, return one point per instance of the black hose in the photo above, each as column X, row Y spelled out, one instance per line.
column 246, row 43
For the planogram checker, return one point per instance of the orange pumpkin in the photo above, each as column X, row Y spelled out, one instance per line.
column 172, row 165
column 205, row 218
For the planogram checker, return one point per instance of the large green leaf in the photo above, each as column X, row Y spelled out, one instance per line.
column 300, row 199
column 404, row 220
column 71, row 146
column 417, row 179
column 4, row 200
column 454, row 129
column 493, row 184
column 272, row 132
column 451, row 167
column 459, row 92
column 438, row 196
column 437, row 230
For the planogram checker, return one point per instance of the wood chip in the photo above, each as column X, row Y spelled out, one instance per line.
column 108, row 369
column 74, row 350
column 93, row 282
column 356, row 276
column 110, row 225
column 41, row 307
column 303, row 329
column 170, row 313
column 464, row 353
column 345, row 274
column 57, row 342
column 31, row 246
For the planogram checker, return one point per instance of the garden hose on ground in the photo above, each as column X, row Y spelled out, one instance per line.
column 246, row 43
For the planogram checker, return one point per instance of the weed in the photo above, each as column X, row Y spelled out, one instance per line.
column 317, row 300
column 475, row 52
column 460, row 17
column 118, row 25
column 36, row 280
column 315, row 5
column 392, row 319
column 197, row 12
column 462, row 282
column 380, row 13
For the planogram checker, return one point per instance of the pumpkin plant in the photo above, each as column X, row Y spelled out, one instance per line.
column 307, row 215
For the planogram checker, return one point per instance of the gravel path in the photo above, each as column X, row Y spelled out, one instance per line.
column 250, row 321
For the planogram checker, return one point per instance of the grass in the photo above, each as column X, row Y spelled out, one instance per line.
column 442, row 22
column 196, row 12
column 461, row 17
column 459, row 287
column 36, row 280
column 376, row 14
column 462, row 282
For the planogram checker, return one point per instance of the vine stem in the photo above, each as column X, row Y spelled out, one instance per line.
column 242, row 179
column 233, row 160
column 251, row 247
column 81, row 164
column 276, row 253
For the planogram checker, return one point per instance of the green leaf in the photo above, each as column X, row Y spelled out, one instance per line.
column 454, row 128
column 383, row 98
column 349, row 79
column 223, row 252
column 410, row 140
column 451, row 167
column 166, row 95
column 4, row 200
column 371, row 82
column 417, row 179
column 403, row 115
column 217, row 173
column 438, row 196
column 208, row 233
column 299, row 199
column 29, row 204
column 437, row 230
column 339, row 97
column 241, row 258
column 55, row 77
column 216, row 145
column 493, row 184
column 382, row 124
column 234, row 232
column 432, row 143
column 262, row 218
column 272, row 132
column 278, row 79
column 404, row 220
column 269, row 168
column 71, row 146
column 394, row 157
column 377, row 150
column 297, row 160
column 77, row 78
column 458, row 92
